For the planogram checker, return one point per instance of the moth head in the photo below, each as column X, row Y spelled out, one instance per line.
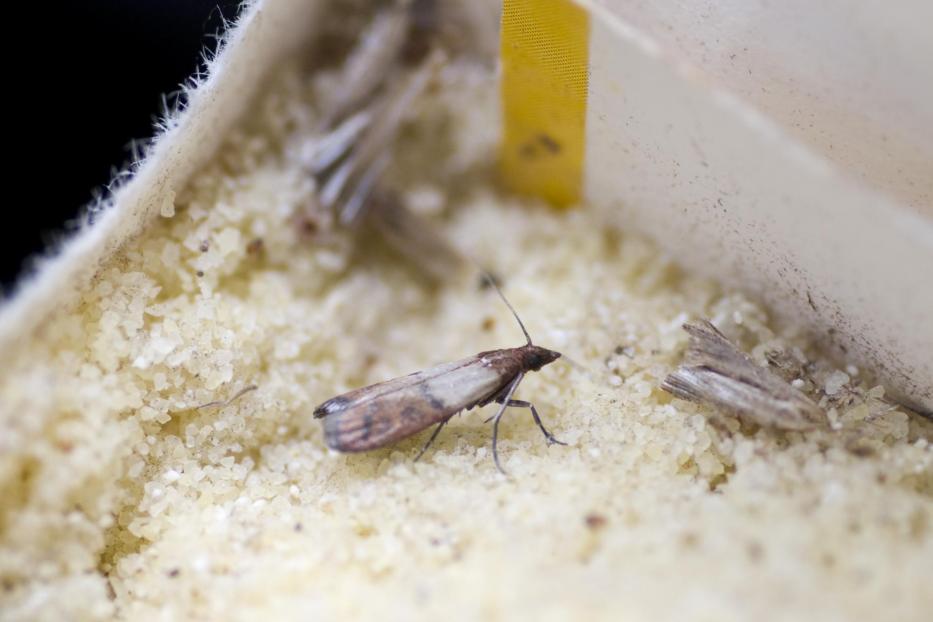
column 537, row 357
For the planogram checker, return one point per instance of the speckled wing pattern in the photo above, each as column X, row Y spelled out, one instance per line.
column 370, row 417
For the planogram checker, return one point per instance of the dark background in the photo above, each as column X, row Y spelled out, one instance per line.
column 84, row 79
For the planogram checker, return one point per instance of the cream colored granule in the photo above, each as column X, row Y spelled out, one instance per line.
column 119, row 497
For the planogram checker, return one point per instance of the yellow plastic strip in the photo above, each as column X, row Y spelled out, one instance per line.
column 544, row 50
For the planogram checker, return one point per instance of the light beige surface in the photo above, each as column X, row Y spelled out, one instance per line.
column 119, row 498
column 849, row 79
column 678, row 150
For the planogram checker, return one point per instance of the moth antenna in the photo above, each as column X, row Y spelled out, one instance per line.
column 583, row 369
column 489, row 279
column 574, row 364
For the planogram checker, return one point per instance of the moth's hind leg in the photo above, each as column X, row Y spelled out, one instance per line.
column 437, row 431
column 534, row 413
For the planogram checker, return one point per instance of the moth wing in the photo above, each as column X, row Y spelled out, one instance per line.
column 745, row 400
column 357, row 397
column 374, row 416
column 715, row 371
column 709, row 349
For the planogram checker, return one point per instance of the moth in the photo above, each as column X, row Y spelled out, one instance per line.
column 717, row 373
column 386, row 412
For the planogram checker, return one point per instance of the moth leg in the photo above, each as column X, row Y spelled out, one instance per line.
column 437, row 431
column 495, row 426
column 534, row 413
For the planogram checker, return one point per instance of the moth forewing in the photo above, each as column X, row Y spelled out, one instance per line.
column 357, row 397
column 717, row 373
column 738, row 398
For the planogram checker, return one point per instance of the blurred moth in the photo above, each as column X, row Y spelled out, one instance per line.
column 379, row 90
column 383, row 413
column 717, row 373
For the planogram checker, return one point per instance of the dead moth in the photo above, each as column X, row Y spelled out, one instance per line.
column 384, row 78
column 718, row 374
column 383, row 413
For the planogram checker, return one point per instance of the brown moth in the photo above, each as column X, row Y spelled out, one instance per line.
column 717, row 373
column 383, row 413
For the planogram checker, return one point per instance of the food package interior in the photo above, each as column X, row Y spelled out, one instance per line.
column 122, row 495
